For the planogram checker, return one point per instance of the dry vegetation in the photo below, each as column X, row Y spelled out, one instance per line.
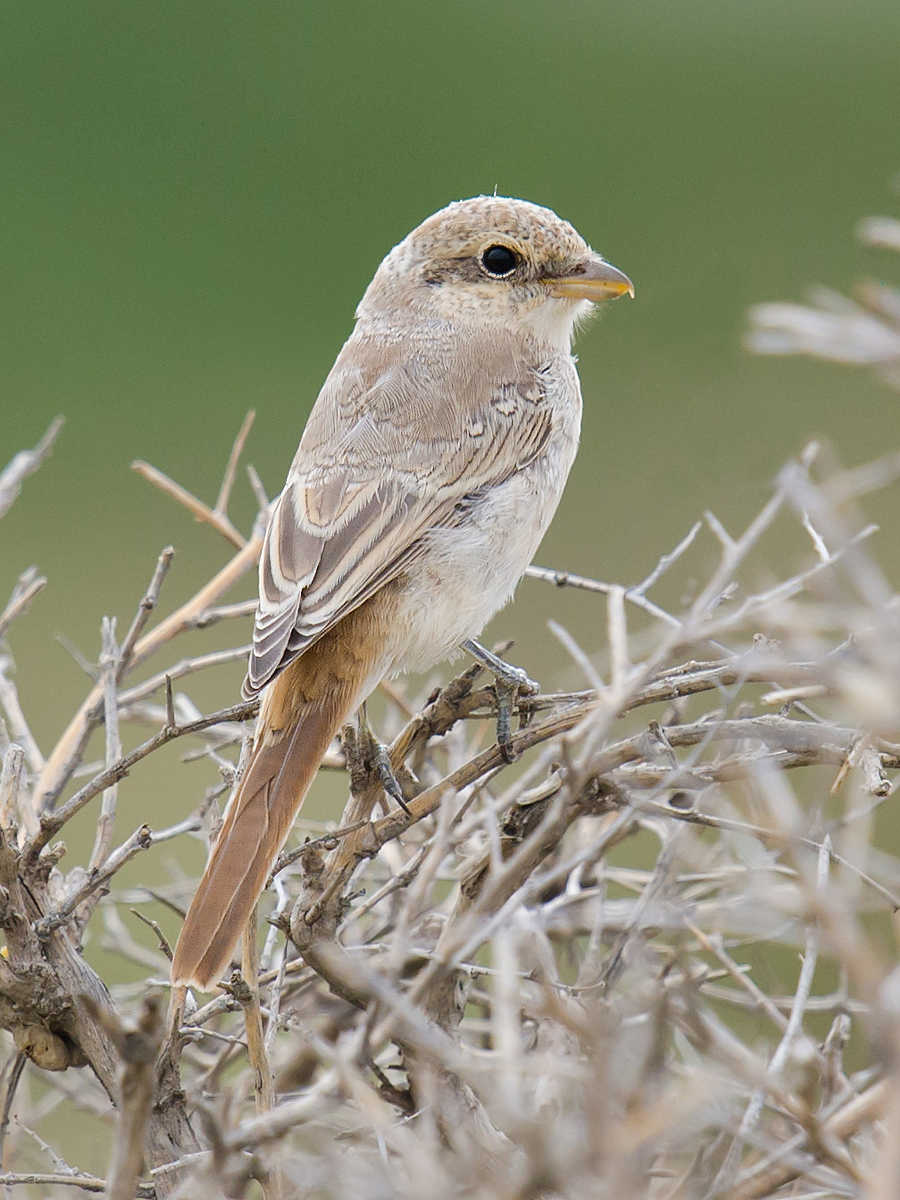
column 478, row 999
column 862, row 329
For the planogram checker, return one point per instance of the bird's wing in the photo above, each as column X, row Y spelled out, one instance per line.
column 387, row 454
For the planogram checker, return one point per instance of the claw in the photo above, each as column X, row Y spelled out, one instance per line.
column 382, row 763
column 509, row 683
column 386, row 775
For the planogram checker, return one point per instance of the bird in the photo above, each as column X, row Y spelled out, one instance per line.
column 428, row 471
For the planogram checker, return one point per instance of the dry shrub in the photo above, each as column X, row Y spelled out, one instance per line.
column 627, row 965
column 862, row 329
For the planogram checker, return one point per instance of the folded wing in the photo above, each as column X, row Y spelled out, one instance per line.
column 389, row 453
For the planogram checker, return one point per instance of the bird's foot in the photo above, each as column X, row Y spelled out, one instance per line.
column 509, row 683
column 381, row 761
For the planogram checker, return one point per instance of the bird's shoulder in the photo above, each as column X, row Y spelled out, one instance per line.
column 391, row 399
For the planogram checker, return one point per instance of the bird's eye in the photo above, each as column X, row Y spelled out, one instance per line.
column 499, row 261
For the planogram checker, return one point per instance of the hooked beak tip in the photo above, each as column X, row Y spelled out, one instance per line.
column 594, row 280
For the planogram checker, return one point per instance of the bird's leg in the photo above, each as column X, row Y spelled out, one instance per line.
column 509, row 682
column 380, row 760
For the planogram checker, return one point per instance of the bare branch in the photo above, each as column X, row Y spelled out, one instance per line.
column 258, row 490
column 538, row 973
column 567, row 579
column 18, row 725
column 145, row 608
column 221, row 505
column 51, row 823
column 85, row 1183
column 67, row 753
column 201, row 511
column 96, row 880
column 10, row 785
column 187, row 666
column 110, row 661
column 139, row 1050
column 154, row 925
column 666, row 561
column 27, row 587
column 225, row 612
column 25, row 463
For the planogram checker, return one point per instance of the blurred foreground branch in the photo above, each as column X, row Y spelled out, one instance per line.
column 862, row 329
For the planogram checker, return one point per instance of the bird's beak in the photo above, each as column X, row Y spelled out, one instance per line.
column 594, row 279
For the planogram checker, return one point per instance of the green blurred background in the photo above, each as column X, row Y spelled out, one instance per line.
column 194, row 196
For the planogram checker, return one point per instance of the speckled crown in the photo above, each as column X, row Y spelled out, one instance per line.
column 463, row 226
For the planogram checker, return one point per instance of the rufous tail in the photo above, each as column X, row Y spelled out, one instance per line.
column 294, row 733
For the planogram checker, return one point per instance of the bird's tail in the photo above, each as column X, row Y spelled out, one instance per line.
column 294, row 733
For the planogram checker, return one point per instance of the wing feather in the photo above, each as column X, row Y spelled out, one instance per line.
column 391, row 450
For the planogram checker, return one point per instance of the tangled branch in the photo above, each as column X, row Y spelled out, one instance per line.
column 534, row 982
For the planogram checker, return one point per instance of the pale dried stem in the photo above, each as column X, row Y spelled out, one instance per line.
column 12, row 810
column 562, row 579
column 775, row 839
column 25, row 463
column 666, row 561
column 110, row 660
column 758, row 996
column 51, row 823
column 15, row 718
column 258, row 490
column 145, row 608
column 225, row 612
column 446, row 995
column 590, row 672
column 766, row 1177
column 221, row 504
column 201, row 511
column 94, row 886
column 617, row 637
column 68, row 751
column 27, row 587
column 794, row 1025
column 187, row 666
column 276, row 989
column 263, row 1082
column 263, row 1087
column 139, row 1050
column 85, row 1183
column 637, row 595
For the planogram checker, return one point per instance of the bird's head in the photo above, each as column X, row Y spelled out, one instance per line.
column 497, row 262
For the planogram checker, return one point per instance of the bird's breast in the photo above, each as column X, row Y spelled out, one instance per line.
column 469, row 569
